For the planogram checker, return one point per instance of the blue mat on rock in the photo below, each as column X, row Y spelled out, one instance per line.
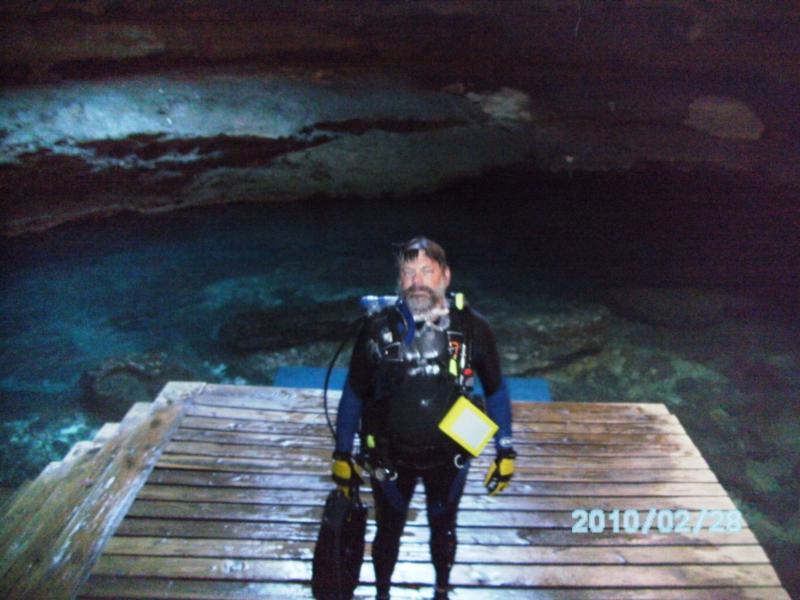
column 521, row 388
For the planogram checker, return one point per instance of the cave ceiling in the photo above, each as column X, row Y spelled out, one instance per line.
column 148, row 106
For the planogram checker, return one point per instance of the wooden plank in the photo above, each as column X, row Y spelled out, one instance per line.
column 307, row 419
column 46, row 505
column 590, row 576
column 250, row 420
column 23, row 508
column 94, row 502
column 314, row 424
column 162, row 509
column 296, row 399
column 574, row 409
column 522, row 536
column 542, row 488
column 155, row 588
column 469, row 501
column 111, row 587
column 524, row 421
column 467, row 553
column 305, row 400
column 493, row 593
column 527, row 474
column 9, row 494
column 241, row 419
column 105, row 433
column 305, row 514
column 276, row 398
column 322, row 458
column 217, row 430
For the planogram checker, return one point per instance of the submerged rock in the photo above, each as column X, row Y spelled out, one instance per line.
column 33, row 440
column 287, row 326
column 260, row 368
column 112, row 387
column 547, row 339
column 675, row 306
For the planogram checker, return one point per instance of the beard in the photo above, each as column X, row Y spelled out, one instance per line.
column 421, row 300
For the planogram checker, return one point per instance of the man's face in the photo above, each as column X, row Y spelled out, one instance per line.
column 423, row 283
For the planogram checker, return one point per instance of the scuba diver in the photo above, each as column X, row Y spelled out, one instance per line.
column 411, row 361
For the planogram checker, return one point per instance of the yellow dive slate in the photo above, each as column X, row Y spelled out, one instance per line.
column 468, row 426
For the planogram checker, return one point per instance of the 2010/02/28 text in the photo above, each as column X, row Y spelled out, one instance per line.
column 664, row 520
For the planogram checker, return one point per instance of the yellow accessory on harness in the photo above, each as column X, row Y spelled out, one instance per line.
column 468, row 426
column 453, row 367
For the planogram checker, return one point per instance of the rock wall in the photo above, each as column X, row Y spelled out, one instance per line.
column 475, row 37
column 148, row 106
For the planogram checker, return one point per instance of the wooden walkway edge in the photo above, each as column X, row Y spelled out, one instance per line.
column 216, row 491
column 55, row 528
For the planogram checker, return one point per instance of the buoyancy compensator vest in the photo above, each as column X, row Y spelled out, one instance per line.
column 418, row 379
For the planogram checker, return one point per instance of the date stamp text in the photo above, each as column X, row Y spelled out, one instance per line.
column 661, row 520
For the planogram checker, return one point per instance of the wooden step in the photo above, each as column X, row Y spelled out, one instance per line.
column 82, row 500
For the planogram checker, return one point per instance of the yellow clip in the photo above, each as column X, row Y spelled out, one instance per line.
column 453, row 367
column 370, row 441
column 460, row 301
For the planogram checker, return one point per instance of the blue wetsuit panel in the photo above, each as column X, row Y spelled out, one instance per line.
column 347, row 420
column 498, row 407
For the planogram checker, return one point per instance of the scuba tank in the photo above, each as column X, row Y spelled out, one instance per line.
column 371, row 304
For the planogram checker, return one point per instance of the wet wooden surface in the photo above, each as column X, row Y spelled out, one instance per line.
column 56, row 526
column 232, row 509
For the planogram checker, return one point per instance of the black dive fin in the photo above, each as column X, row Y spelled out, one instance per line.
column 339, row 552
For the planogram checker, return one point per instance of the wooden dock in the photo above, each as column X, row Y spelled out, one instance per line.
column 216, row 491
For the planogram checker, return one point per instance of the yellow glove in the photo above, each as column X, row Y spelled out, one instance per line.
column 500, row 472
column 345, row 473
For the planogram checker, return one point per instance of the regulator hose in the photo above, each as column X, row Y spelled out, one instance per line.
column 356, row 326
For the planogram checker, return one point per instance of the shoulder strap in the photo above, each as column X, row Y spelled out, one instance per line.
column 462, row 319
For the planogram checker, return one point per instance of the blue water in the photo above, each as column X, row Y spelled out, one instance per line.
column 82, row 293
column 78, row 294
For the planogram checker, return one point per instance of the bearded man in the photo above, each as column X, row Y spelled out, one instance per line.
column 410, row 364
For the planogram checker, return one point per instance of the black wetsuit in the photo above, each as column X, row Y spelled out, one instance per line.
column 400, row 392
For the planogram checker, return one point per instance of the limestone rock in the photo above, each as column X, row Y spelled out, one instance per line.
column 113, row 386
column 725, row 118
column 674, row 307
column 549, row 339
